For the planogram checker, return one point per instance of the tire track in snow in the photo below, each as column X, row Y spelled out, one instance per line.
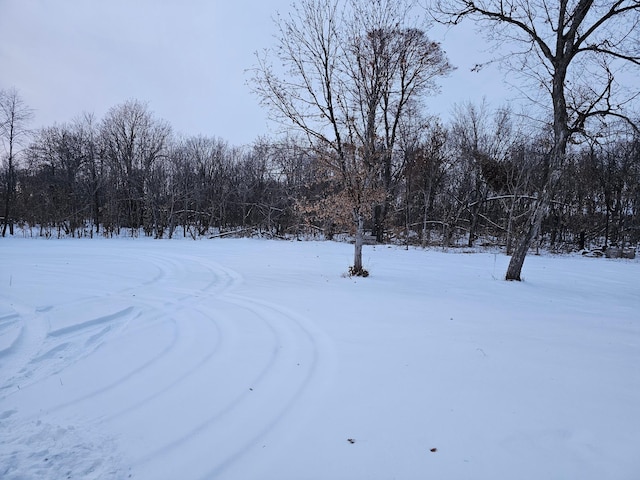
column 35, row 341
column 289, row 366
column 51, row 337
column 54, row 327
column 302, row 360
column 43, row 349
column 26, row 344
column 10, row 330
column 206, row 330
column 184, row 304
column 268, row 392
column 158, row 307
column 56, row 344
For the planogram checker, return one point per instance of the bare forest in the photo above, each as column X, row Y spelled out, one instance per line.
column 363, row 158
column 468, row 183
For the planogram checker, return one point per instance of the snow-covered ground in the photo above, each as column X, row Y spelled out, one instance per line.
column 251, row 359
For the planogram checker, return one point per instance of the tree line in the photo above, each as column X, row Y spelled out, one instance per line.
column 351, row 79
column 470, row 182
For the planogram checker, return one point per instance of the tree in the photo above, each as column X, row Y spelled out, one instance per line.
column 427, row 159
column 347, row 83
column 57, row 152
column 614, row 168
column 14, row 117
column 133, row 140
column 574, row 50
column 483, row 141
column 86, row 129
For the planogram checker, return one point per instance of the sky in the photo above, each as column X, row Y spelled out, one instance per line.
column 187, row 59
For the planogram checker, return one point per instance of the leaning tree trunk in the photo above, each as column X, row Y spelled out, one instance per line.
column 539, row 212
column 531, row 231
column 556, row 156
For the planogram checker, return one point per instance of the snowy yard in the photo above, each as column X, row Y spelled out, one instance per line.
column 249, row 359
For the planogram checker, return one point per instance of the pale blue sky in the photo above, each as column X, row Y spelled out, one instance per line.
column 186, row 58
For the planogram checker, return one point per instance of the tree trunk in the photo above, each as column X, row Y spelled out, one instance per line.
column 473, row 227
column 5, row 222
column 475, row 214
column 554, row 167
column 379, row 214
column 11, row 188
column 509, row 239
column 357, row 254
column 517, row 259
column 428, row 207
column 535, row 221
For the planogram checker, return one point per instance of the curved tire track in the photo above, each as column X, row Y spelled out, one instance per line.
column 181, row 359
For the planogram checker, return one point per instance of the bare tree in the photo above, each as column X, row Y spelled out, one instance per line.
column 58, row 153
column 393, row 67
column 133, row 140
column 427, row 159
column 86, row 129
column 484, row 141
column 613, row 169
column 574, row 50
column 14, row 118
column 348, row 79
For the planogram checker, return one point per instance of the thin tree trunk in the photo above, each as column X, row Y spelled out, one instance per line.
column 379, row 215
column 509, row 240
column 11, row 186
column 425, row 218
column 7, row 207
column 357, row 254
column 473, row 227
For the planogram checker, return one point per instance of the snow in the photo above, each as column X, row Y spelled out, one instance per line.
column 241, row 359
